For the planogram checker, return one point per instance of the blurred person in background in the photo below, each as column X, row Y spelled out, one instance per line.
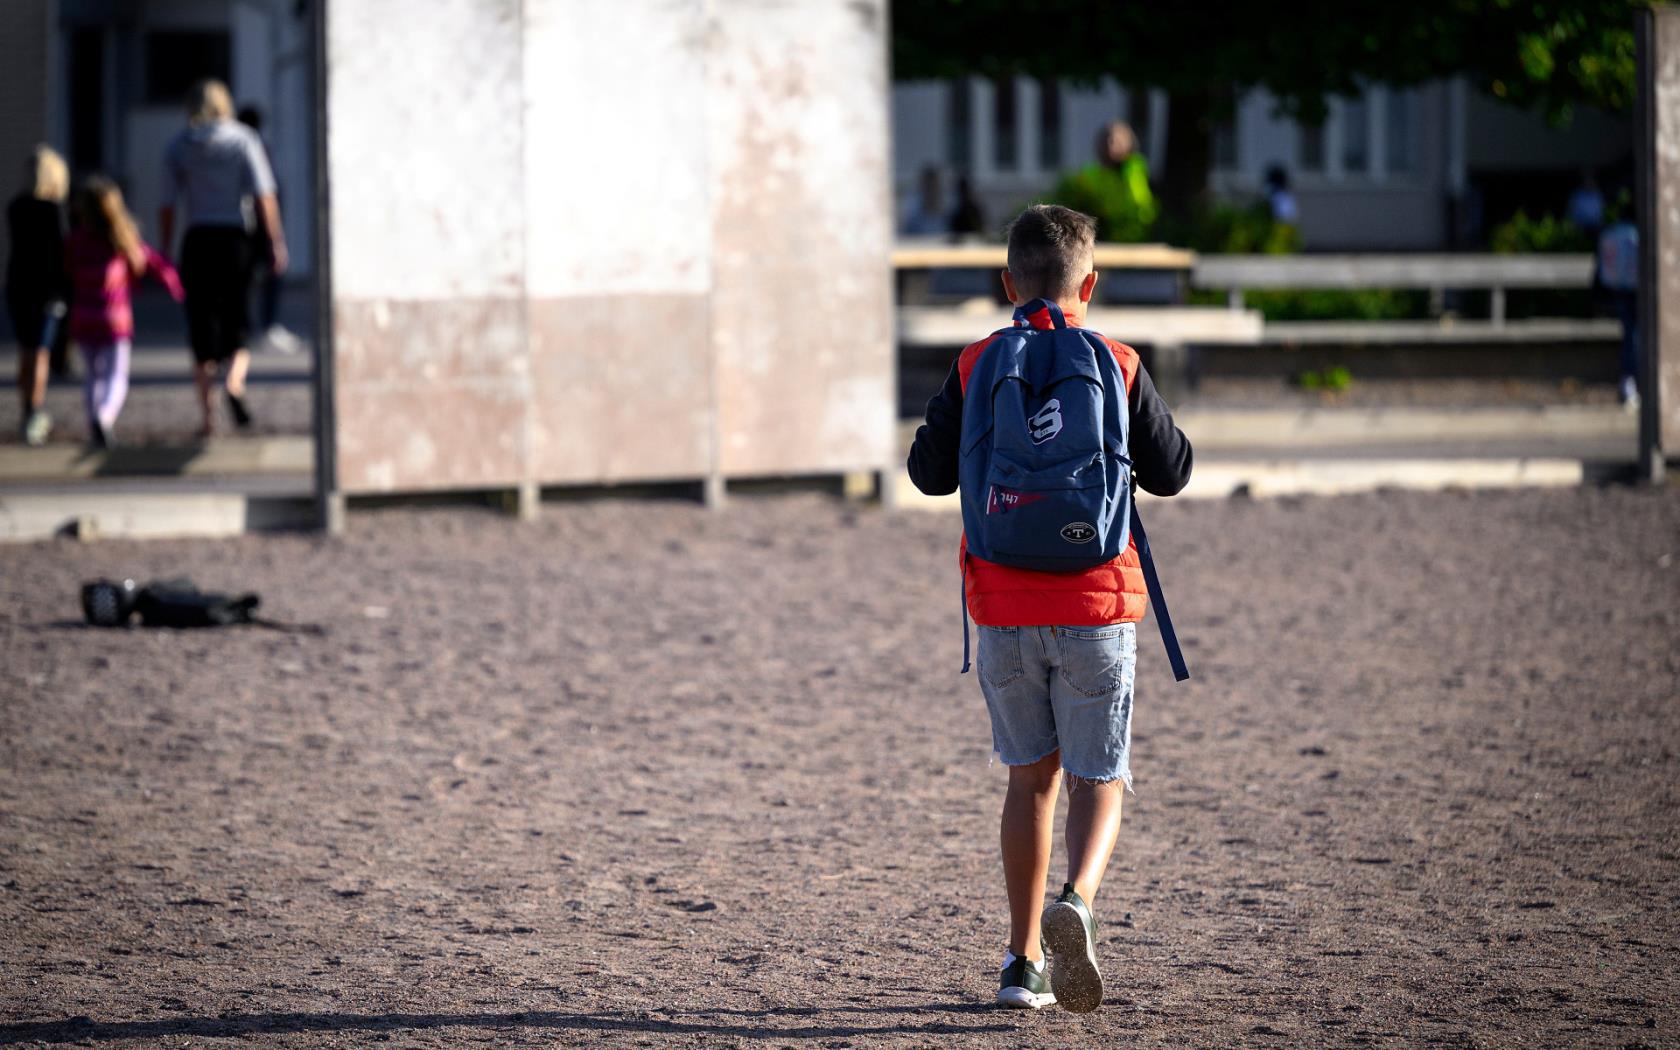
column 35, row 283
column 105, row 256
column 1586, row 205
column 1279, row 201
column 218, row 168
column 1115, row 189
column 968, row 220
column 264, row 277
column 1617, row 272
column 926, row 215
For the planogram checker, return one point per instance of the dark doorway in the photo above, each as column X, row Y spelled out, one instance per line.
column 87, row 98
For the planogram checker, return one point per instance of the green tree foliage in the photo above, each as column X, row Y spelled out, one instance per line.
column 1550, row 54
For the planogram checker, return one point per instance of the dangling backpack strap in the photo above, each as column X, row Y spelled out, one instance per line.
column 964, row 580
column 965, row 631
column 1163, row 619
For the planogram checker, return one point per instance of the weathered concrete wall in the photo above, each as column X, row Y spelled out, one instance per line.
column 802, row 307
column 632, row 239
column 1666, row 71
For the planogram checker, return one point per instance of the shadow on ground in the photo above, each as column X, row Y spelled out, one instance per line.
column 740, row 1024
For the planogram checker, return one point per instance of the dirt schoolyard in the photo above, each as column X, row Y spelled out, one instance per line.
column 643, row 774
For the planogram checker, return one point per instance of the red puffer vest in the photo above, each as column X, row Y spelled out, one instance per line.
column 999, row 596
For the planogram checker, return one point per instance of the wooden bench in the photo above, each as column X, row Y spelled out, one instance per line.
column 1433, row 272
column 1159, row 273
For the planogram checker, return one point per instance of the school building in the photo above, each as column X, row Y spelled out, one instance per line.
column 1423, row 168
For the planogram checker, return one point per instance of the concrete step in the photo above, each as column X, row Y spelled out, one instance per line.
column 154, row 509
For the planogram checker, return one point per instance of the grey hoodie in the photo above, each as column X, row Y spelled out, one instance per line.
column 217, row 168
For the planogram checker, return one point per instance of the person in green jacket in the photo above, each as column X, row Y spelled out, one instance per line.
column 1114, row 189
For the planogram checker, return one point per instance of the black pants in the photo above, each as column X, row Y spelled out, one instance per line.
column 216, row 272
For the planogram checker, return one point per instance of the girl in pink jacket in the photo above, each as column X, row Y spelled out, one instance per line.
column 104, row 256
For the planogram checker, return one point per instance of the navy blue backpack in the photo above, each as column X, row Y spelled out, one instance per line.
column 1045, row 476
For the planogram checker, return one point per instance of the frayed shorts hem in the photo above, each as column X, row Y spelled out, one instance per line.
column 1008, row 761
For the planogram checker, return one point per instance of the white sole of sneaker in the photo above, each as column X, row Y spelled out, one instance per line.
column 1074, row 977
column 1021, row 999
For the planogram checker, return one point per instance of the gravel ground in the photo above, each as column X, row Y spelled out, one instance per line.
column 641, row 774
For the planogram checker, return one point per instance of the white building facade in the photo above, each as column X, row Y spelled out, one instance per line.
column 1388, row 170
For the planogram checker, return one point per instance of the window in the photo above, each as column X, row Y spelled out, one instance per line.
column 1049, row 125
column 1356, row 135
column 1311, row 146
column 1224, row 142
column 1137, row 115
column 958, row 121
column 178, row 59
column 1398, row 117
column 1005, row 156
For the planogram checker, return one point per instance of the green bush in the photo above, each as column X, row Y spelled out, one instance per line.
column 1328, row 304
column 1333, row 304
column 1333, row 380
column 1228, row 228
column 1548, row 233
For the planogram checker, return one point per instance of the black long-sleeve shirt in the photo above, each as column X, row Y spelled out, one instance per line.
column 1160, row 452
column 35, row 265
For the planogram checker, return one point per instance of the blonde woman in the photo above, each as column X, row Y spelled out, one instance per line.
column 105, row 256
column 35, row 285
column 217, row 169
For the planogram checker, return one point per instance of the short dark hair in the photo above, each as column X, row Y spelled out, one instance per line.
column 1050, row 250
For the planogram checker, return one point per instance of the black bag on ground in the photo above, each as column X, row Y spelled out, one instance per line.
column 178, row 603
column 170, row 603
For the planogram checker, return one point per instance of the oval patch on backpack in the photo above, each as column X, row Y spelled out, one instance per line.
column 1078, row 532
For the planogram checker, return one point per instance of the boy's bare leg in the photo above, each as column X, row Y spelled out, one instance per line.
column 1029, row 813
column 1093, row 826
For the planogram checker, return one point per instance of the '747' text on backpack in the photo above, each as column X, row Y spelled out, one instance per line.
column 1044, row 471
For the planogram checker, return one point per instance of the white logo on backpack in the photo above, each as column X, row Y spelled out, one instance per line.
column 1047, row 423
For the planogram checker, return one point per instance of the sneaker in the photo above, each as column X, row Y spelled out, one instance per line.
column 1021, row 983
column 1628, row 394
column 36, row 428
column 241, row 414
column 279, row 338
column 1070, row 936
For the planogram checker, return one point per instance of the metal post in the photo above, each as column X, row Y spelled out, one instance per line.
column 329, row 501
column 1496, row 306
column 713, row 493
column 1645, row 201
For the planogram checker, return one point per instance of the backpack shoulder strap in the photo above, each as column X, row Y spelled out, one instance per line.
column 1152, row 580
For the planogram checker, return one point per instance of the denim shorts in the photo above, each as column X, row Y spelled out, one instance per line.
column 1061, row 687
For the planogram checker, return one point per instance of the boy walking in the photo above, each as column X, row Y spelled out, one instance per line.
column 1056, row 648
